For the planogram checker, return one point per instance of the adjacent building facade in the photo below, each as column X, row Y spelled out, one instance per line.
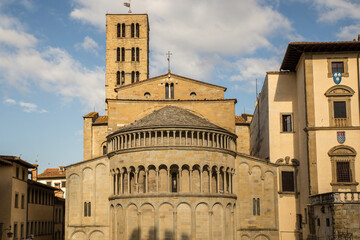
column 308, row 117
column 170, row 160
column 27, row 207
column 54, row 177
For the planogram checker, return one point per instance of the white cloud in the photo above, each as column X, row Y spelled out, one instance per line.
column 349, row 32
column 31, row 107
column 88, row 45
column 52, row 69
column 199, row 33
column 335, row 10
column 9, row 101
column 26, row 106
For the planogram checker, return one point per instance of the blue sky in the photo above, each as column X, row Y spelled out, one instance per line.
column 52, row 57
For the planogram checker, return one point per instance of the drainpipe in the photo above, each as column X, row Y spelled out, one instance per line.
column 358, row 72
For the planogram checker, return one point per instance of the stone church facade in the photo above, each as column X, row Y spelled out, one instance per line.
column 170, row 160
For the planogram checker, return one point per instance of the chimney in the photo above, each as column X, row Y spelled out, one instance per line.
column 358, row 37
column 34, row 172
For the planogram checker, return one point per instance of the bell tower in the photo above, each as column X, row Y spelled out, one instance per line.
column 127, row 50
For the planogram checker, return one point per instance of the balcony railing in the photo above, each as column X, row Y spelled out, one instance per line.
column 172, row 137
column 340, row 122
column 335, row 197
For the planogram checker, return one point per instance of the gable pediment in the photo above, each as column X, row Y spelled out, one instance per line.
column 339, row 91
column 184, row 89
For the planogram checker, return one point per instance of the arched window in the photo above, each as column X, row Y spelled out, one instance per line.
column 123, row 54
column 339, row 98
column 118, row 78
column 132, row 77
column 133, row 54
column 137, row 76
column 137, row 30
column 173, row 182
column 122, row 78
column 104, row 150
column 172, row 91
column 123, row 29
column 118, row 30
column 118, row 54
column 167, row 91
column 132, row 30
column 343, row 167
column 137, row 54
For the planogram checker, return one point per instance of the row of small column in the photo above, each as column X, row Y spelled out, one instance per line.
column 163, row 138
column 119, row 188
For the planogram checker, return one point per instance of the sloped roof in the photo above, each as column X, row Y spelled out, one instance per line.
column 52, row 173
column 8, row 159
column 171, row 116
column 101, row 120
column 295, row 49
column 239, row 119
column 165, row 75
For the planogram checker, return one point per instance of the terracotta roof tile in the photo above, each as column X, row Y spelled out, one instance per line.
column 90, row 115
column 101, row 120
column 52, row 173
column 239, row 119
column 171, row 116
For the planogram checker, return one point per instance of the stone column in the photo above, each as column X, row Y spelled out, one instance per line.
column 150, row 142
column 180, row 133
column 116, row 184
column 186, row 135
column 126, row 143
column 156, row 137
column 210, row 223
column 208, row 143
column 175, row 224
column 146, row 181
column 168, row 137
column 197, row 138
column 162, row 138
column 174, row 133
column 225, row 181
column 201, row 181
column 139, row 141
column 121, row 183
column 192, row 138
column 179, row 181
column 203, row 138
column 190, row 179
column 230, row 180
column 210, row 179
column 128, row 182
column 217, row 181
column 136, row 182
column 169, row 180
column 157, row 180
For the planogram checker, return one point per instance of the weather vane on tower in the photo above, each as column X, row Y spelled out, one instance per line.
column 127, row 4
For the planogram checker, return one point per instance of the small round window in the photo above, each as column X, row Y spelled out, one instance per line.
column 193, row 95
column 147, row 95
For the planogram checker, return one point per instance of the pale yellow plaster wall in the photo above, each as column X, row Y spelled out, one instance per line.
column 282, row 99
column 220, row 112
column 183, row 87
column 325, row 140
column 322, row 83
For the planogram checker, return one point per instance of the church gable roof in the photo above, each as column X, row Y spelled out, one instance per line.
column 171, row 116
column 179, row 77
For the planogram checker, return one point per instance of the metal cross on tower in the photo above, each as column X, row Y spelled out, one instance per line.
column 168, row 54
